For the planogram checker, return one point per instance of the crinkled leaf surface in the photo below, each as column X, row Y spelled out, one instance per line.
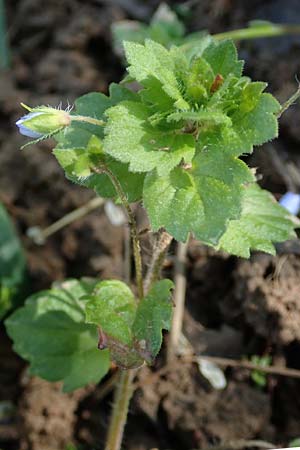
column 254, row 122
column 131, row 139
column 200, row 200
column 112, row 307
column 50, row 332
column 223, row 59
column 154, row 313
column 132, row 331
column 184, row 103
column 153, row 60
column 263, row 221
column 78, row 163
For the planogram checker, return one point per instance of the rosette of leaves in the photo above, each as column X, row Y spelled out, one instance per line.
column 193, row 118
column 176, row 143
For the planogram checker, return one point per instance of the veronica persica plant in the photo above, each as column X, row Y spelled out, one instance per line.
column 175, row 146
column 43, row 121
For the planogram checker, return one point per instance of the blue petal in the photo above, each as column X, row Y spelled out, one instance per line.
column 291, row 202
column 21, row 124
column 27, row 132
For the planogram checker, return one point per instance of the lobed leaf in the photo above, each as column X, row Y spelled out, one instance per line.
column 112, row 307
column 79, row 148
column 263, row 222
column 50, row 332
column 200, row 200
column 78, row 164
column 223, row 59
column 154, row 313
column 131, row 139
column 154, row 60
column 132, row 331
column 182, row 102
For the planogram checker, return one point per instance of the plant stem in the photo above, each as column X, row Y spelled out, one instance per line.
column 124, row 389
column 228, row 362
column 90, row 120
column 289, row 102
column 259, row 31
column 133, row 228
column 163, row 241
column 39, row 235
column 123, row 395
column 179, row 299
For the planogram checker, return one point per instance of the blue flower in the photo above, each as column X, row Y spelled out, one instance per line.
column 21, row 124
column 291, row 202
column 43, row 121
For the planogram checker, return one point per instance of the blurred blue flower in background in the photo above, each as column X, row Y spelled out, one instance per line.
column 291, row 202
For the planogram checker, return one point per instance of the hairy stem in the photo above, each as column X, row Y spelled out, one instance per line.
column 122, row 398
column 87, row 119
column 289, row 102
column 179, row 299
column 133, row 228
column 259, row 31
column 124, row 388
column 39, row 235
column 163, row 241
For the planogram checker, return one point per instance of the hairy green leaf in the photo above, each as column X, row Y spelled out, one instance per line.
column 112, row 307
column 131, row 139
column 132, row 331
column 50, row 332
column 153, row 315
column 79, row 148
column 78, row 164
column 153, row 60
column 200, row 200
column 263, row 221
column 254, row 122
column 183, row 103
column 223, row 59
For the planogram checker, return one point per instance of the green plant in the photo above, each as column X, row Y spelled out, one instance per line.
column 175, row 146
column 260, row 378
column 295, row 443
column 12, row 265
column 166, row 28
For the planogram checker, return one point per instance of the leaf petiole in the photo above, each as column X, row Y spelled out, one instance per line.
column 90, row 120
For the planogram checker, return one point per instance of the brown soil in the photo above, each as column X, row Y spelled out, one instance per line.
column 235, row 308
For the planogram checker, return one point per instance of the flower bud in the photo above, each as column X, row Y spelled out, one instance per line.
column 43, row 121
